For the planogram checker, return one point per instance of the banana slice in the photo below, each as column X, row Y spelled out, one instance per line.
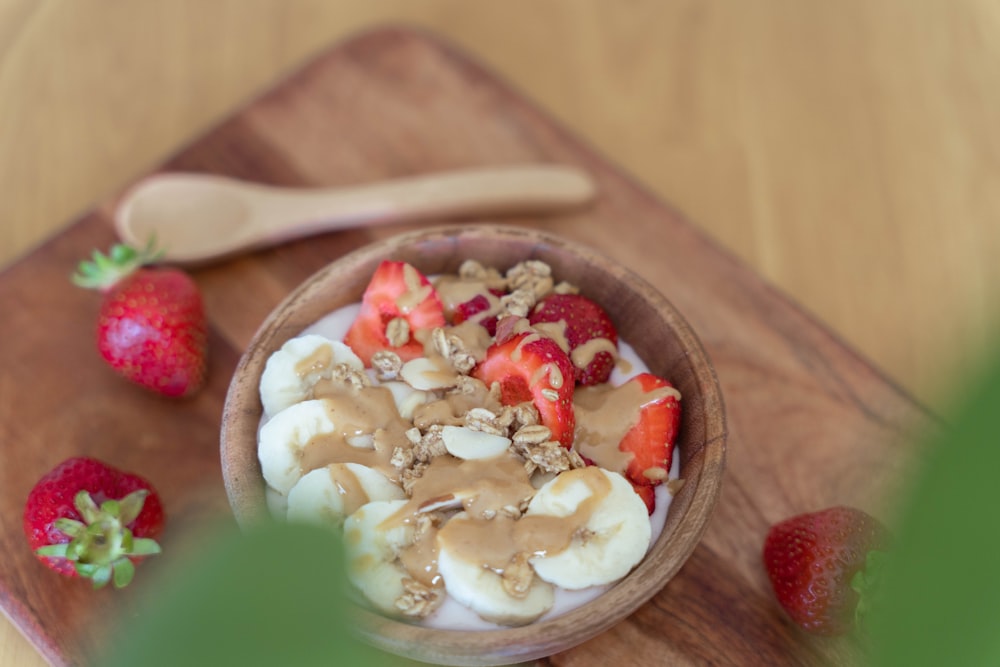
column 373, row 544
column 481, row 588
column 283, row 441
column 277, row 503
column 407, row 398
column 292, row 371
column 328, row 495
column 610, row 528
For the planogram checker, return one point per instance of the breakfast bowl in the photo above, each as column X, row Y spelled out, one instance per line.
column 645, row 319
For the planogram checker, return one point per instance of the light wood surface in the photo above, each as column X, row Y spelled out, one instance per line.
column 847, row 151
column 809, row 423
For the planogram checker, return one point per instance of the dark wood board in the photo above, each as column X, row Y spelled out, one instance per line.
column 811, row 423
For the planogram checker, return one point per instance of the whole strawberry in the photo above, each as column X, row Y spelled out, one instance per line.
column 87, row 519
column 821, row 566
column 151, row 328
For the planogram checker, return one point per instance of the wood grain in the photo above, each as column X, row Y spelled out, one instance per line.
column 845, row 151
column 811, row 424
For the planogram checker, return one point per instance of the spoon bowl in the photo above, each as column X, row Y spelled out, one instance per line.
column 197, row 218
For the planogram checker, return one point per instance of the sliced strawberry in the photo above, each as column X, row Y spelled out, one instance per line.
column 476, row 305
column 534, row 368
column 648, row 495
column 651, row 440
column 592, row 337
column 399, row 300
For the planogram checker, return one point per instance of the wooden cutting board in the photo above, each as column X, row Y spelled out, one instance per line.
column 811, row 424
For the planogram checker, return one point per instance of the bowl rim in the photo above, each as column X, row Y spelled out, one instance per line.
column 681, row 534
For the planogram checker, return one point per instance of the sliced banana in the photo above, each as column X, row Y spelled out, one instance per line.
column 407, row 398
column 292, row 371
column 373, row 544
column 610, row 528
column 481, row 588
column 328, row 495
column 284, row 437
column 277, row 503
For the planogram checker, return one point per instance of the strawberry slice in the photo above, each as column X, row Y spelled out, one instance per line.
column 592, row 337
column 651, row 440
column 530, row 367
column 398, row 305
column 648, row 495
column 476, row 305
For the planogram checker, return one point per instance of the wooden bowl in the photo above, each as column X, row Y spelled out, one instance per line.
column 660, row 336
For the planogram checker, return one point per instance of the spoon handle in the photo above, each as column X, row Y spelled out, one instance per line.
column 200, row 217
column 469, row 193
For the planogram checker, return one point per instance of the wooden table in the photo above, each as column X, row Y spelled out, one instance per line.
column 845, row 152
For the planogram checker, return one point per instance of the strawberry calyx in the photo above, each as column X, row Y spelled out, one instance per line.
column 101, row 546
column 867, row 583
column 102, row 272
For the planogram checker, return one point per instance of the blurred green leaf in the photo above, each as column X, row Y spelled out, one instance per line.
column 942, row 589
column 274, row 595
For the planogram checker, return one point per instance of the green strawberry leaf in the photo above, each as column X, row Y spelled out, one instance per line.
column 867, row 583
column 123, row 570
column 102, row 271
column 101, row 545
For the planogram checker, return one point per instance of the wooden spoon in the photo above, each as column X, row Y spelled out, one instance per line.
column 196, row 218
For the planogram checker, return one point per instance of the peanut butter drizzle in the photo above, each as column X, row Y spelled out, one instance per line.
column 584, row 354
column 441, row 374
column 349, row 488
column 480, row 488
column 454, row 290
column 369, row 411
column 474, row 337
column 451, row 409
column 554, row 330
column 604, row 414
column 623, row 365
column 420, row 559
column 320, row 360
column 416, row 290
column 495, row 543
column 549, row 371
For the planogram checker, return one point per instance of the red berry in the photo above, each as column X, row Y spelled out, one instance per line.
column 589, row 332
column 482, row 306
column 651, row 440
column 648, row 495
column 811, row 560
column 398, row 307
column 533, row 368
column 82, row 492
column 151, row 327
